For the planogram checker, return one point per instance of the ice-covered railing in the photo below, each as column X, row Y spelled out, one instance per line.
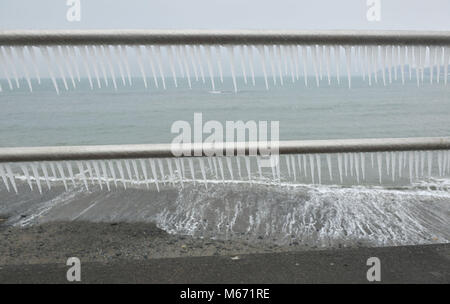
column 349, row 161
column 108, row 57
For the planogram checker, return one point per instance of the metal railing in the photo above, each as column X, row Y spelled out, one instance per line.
column 29, row 154
column 215, row 37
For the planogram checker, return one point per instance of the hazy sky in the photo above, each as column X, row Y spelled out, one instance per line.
column 226, row 14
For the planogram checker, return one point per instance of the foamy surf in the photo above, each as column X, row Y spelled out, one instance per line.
column 311, row 215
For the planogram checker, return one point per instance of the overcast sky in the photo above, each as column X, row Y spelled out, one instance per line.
column 226, row 14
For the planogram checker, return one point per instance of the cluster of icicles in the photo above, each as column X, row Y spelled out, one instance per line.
column 305, row 168
column 110, row 64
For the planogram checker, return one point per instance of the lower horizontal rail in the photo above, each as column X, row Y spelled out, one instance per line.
column 29, row 154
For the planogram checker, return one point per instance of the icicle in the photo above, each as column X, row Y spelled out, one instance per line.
column 352, row 159
column 152, row 63
column 261, row 51
column 288, row 165
column 113, row 172
column 346, row 163
column 105, row 174
column 388, row 162
column 315, row 65
column 202, row 168
column 339, row 157
column 89, row 167
column 363, row 165
column 27, row 175
column 3, row 175
column 128, row 168
column 191, row 167
column 221, row 168
column 357, row 166
column 32, row 53
column 299, row 162
column 230, row 167
column 61, row 173
column 233, row 72
column 294, row 171
column 400, row 164
column 330, row 169
column 379, row 162
column 348, row 54
column 135, row 170
column 389, row 61
column 402, row 63
column 24, row 66
column 291, row 62
column 311, row 164
column 219, row 61
column 192, row 60
column 250, row 62
column 438, row 62
column 161, row 170
column 69, row 51
column 81, row 170
column 304, row 165
column 238, row 163
column 123, row 54
column 208, row 61
column 247, row 166
column 159, row 60
column 186, row 66
column 141, row 66
column 272, row 63
column 197, row 56
column 216, row 171
column 5, row 69
column 171, row 175
column 422, row 162
column 319, row 168
column 393, row 165
column 63, row 54
column 337, row 55
column 242, row 59
column 44, row 52
column 430, row 162
column 294, row 54
column 90, row 53
column 440, row 162
column 411, row 164
column 180, row 173
column 178, row 59
column 11, row 176
column 155, row 176
column 328, row 62
column 9, row 57
column 446, row 59
column 71, row 175
column 375, row 62
column 383, row 63
column 144, row 170
column 100, row 58
column 278, row 51
column 97, row 173
column 84, row 58
column 45, row 171
column 34, row 168
column 107, row 54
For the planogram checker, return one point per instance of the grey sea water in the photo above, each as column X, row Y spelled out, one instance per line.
column 317, row 215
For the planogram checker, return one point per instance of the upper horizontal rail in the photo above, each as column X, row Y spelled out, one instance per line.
column 134, row 37
column 25, row 154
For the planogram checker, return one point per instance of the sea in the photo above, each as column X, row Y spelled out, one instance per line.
column 319, row 215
